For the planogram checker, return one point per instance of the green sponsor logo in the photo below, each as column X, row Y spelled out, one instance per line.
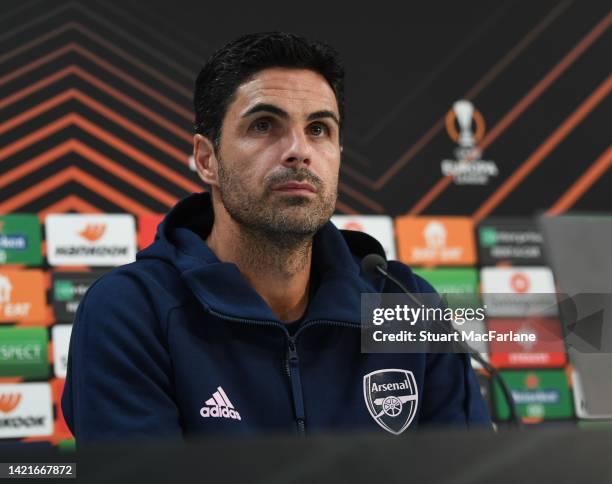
column 540, row 394
column 23, row 352
column 63, row 290
column 458, row 286
column 488, row 236
column 20, row 240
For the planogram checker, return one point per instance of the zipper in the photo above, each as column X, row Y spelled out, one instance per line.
column 292, row 360
column 293, row 367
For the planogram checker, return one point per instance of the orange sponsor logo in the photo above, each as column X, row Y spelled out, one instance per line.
column 432, row 241
column 93, row 232
column 22, row 296
column 9, row 401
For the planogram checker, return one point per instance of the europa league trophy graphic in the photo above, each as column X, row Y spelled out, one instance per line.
column 464, row 111
column 464, row 114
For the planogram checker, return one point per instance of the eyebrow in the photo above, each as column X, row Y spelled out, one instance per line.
column 270, row 108
column 323, row 114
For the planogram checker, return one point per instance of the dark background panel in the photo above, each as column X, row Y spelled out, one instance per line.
column 406, row 65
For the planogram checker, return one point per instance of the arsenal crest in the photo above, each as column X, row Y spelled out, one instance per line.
column 391, row 396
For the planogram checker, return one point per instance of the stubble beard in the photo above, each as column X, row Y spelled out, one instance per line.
column 284, row 222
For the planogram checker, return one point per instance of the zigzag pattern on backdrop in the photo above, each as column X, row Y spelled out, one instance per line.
column 96, row 116
column 84, row 126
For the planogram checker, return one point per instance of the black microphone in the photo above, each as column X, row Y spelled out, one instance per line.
column 373, row 264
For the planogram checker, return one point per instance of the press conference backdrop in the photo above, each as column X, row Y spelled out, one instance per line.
column 464, row 119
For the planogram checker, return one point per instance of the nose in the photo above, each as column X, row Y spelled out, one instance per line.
column 298, row 148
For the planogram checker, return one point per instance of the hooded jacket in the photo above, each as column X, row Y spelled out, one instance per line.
column 178, row 344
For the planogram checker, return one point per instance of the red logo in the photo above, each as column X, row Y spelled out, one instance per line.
column 93, row 232
column 532, row 381
column 519, row 282
column 8, row 401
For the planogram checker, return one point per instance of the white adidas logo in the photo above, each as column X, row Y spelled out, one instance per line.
column 219, row 406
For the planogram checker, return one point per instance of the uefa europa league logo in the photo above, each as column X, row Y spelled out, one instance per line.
column 465, row 125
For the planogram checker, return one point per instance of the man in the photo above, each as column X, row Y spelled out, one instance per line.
column 243, row 316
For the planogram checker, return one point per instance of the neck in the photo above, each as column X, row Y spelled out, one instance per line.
column 277, row 266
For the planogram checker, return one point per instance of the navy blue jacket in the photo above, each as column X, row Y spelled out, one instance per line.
column 177, row 344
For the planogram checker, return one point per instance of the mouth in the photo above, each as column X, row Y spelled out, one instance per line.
column 295, row 188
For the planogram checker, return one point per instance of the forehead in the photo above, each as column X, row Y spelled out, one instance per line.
column 292, row 89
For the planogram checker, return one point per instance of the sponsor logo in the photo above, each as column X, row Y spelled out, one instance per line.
column 22, row 296
column 488, row 236
column 467, row 167
column 64, row 290
column 23, row 352
column 436, row 241
column 535, row 398
column 391, row 397
column 20, row 240
column 68, row 290
column 516, row 241
column 25, row 410
column 9, row 401
column 93, row 232
column 13, row 242
column 519, row 282
column 435, row 235
column 539, row 394
column 513, row 292
column 219, row 406
column 94, row 240
column 511, row 280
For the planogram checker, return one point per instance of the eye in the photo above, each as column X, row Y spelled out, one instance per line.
column 318, row 129
column 262, row 125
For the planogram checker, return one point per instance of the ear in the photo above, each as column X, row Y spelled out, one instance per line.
column 205, row 160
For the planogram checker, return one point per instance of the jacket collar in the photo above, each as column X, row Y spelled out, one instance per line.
column 220, row 287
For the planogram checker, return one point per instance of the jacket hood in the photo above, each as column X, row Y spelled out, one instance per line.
column 220, row 287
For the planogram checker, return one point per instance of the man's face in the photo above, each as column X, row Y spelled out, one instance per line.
column 279, row 155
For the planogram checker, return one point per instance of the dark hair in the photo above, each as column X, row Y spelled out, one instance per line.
column 237, row 61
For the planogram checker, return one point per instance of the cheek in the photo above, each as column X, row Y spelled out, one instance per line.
column 330, row 163
column 330, row 151
column 248, row 162
column 257, row 156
